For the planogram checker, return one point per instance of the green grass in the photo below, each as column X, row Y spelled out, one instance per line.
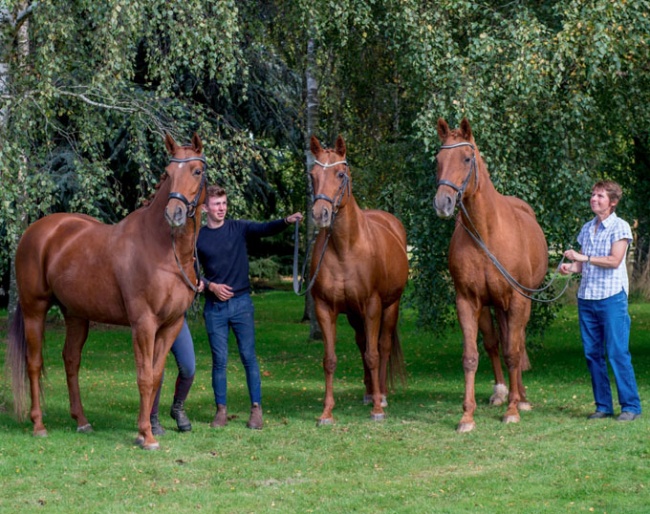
column 553, row 461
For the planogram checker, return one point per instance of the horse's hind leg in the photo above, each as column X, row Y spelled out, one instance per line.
column 491, row 344
column 372, row 323
column 390, row 315
column 34, row 330
column 356, row 323
column 75, row 338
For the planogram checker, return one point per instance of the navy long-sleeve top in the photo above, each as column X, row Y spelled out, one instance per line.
column 223, row 252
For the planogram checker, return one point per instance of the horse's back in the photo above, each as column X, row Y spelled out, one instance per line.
column 64, row 257
column 389, row 224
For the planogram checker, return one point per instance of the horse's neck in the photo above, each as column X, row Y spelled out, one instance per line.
column 153, row 225
column 349, row 226
column 483, row 202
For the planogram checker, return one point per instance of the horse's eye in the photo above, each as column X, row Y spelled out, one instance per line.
column 341, row 174
column 197, row 171
column 467, row 159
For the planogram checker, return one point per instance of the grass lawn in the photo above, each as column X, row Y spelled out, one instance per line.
column 553, row 461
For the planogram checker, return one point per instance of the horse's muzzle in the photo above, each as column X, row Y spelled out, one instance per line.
column 444, row 204
column 176, row 215
column 322, row 215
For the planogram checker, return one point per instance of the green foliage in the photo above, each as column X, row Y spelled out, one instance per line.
column 266, row 268
column 557, row 92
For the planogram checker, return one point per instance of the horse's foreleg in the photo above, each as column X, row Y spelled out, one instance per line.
column 491, row 344
column 327, row 321
column 75, row 338
column 468, row 317
column 143, row 347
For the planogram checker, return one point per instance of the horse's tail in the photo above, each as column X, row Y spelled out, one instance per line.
column 396, row 366
column 16, row 362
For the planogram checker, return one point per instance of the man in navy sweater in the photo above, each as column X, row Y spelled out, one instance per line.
column 223, row 255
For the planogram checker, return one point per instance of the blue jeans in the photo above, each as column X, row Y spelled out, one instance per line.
column 605, row 331
column 236, row 313
column 183, row 351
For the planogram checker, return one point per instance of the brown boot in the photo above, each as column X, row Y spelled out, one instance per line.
column 220, row 418
column 255, row 421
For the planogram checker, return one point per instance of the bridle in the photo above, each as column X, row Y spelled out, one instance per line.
column 191, row 212
column 336, row 203
column 191, row 206
column 345, row 185
column 472, row 170
column 526, row 292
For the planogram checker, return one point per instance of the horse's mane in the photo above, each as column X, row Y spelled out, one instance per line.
column 147, row 201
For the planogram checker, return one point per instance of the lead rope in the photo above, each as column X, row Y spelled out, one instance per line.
column 520, row 288
column 299, row 280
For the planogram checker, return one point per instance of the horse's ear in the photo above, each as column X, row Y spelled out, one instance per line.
column 315, row 146
column 443, row 130
column 466, row 129
column 339, row 146
column 197, row 144
column 170, row 144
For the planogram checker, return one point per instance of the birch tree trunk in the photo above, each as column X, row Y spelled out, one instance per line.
column 19, row 45
column 311, row 86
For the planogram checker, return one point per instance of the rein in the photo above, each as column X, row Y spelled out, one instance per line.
column 526, row 292
column 298, row 281
column 191, row 213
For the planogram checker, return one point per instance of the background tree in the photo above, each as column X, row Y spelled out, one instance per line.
column 557, row 94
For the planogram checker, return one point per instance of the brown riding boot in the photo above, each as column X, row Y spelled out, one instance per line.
column 255, row 421
column 220, row 418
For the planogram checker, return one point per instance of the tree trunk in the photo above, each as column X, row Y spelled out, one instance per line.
column 311, row 87
column 641, row 261
column 18, row 44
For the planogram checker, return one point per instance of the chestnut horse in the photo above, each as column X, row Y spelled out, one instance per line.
column 497, row 251
column 361, row 264
column 138, row 272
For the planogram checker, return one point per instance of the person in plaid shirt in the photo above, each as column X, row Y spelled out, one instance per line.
column 602, row 302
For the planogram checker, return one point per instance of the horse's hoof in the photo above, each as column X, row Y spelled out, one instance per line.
column 139, row 441
column 40, row 433
column 465, row 427
column 511, row 419
column 500, row 395
column 85, row 429
column 367, row 400
column 378, row 417
column 525, row 406
column 325, row 422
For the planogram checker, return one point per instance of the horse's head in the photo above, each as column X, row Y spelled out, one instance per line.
column 457, row 166
column 186, row 171
column 330, row 177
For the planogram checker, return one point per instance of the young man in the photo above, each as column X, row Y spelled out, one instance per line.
column 223, row 255
column 602, row 302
